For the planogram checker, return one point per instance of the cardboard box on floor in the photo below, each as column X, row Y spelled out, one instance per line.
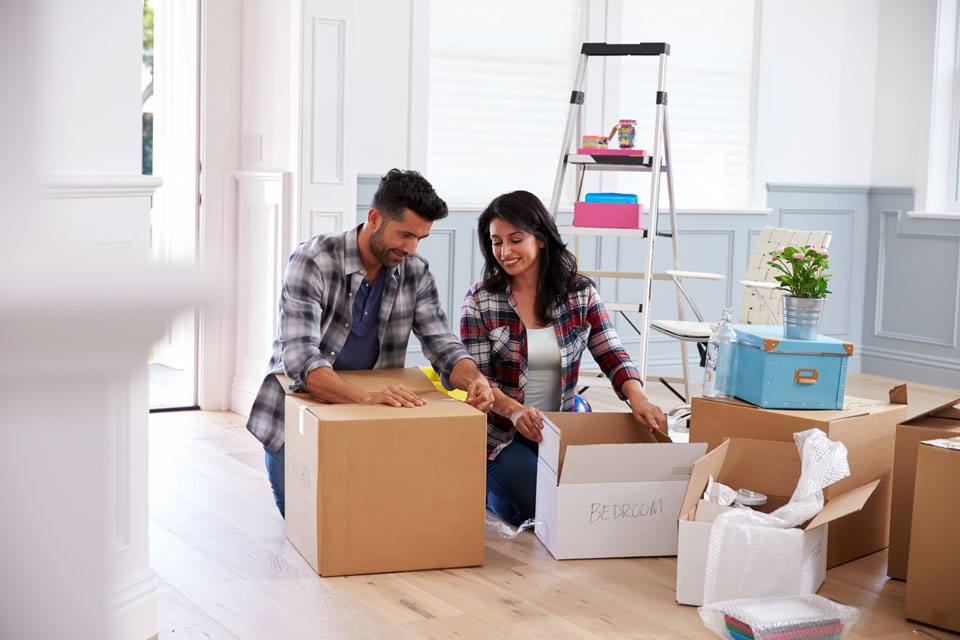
column 772, row 468
column 942, row 422
column 866, row 427
column 933, row 577
column 372, row 488
column 608, row 488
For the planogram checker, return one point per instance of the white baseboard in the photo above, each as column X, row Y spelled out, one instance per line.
column 134, row 612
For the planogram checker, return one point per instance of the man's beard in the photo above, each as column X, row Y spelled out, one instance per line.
column 380, row 250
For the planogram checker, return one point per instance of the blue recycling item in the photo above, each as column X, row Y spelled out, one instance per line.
column 580, row 404
column 619, row 198
column 774, row 372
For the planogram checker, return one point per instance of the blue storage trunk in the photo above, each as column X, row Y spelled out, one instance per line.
column 774, row 372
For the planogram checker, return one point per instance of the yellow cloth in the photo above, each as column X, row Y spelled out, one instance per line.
column 456, row 394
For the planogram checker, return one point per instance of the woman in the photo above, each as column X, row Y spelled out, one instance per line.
column 527, row 324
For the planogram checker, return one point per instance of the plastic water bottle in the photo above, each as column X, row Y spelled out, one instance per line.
column 719, row 364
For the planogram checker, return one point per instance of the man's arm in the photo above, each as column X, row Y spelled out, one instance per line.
column 325, row 385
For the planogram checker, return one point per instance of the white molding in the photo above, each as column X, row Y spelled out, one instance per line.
column 878, row 330
column 934, row 215
column 818, row 188
column 316, row 143
column 267, row 176
column 419, row 69
column 910, row 357
column 315, row 216
column 134, row 611
column 98, row 186
column 121, row 524
column 242, row 395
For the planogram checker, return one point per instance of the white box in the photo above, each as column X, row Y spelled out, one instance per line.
column 772, row 468
column 608, row 488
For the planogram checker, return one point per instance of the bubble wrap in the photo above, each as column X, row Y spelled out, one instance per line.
column 754, row 554
column 790, row 618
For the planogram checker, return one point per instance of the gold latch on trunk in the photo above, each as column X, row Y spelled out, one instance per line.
column 806, row 376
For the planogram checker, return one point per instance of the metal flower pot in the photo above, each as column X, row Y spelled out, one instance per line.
column 801, row 317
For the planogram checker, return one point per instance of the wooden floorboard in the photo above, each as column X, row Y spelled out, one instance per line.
column 226, row 571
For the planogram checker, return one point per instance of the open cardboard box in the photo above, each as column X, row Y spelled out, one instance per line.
column 772, row 468
column 608, row 488
column 941, row 422
column 866, row 427
column 372, row 488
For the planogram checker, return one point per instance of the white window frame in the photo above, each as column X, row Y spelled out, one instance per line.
column 937, row 191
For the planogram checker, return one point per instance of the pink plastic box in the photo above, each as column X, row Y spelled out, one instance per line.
column 611, row 215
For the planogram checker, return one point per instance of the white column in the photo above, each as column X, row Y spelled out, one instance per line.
column 80, row 307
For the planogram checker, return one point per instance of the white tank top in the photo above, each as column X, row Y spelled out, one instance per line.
column 543, row 370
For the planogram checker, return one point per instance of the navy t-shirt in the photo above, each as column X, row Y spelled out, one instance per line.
column 362, row 348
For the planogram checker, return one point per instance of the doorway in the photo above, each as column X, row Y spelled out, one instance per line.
column 170, row 150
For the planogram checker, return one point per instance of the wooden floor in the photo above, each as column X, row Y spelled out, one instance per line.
column 226, row 571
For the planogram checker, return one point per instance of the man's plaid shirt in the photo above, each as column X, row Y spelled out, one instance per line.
column 316, row 309
column 491, row 329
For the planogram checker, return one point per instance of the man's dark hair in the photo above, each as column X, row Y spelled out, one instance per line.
column 401, row 190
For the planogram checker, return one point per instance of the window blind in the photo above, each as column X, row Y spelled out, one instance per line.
column 500, row 79
column 709, row 81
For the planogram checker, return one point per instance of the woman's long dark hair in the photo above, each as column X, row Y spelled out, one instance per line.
column 558, row 275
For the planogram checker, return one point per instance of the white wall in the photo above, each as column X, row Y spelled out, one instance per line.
column 816, row 91
column 265, row 94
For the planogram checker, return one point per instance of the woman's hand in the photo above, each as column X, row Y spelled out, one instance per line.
column 645, row 412
column 529, row 422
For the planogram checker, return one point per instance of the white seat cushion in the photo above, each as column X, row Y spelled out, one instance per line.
column 684, row 329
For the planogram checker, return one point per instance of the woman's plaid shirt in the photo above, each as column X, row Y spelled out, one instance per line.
column 492, row 332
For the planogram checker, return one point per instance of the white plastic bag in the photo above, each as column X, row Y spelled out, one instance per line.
column 791, row 618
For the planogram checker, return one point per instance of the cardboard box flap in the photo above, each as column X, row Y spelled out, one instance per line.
column 944, row 443
column 376, row 380
column 708, row 465
column 770, row 467
column 843, row 505
column 852, row 407
column 596, row 428
column 438, row 405
column 646, row 462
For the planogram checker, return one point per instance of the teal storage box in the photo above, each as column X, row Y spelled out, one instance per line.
column 774, row 372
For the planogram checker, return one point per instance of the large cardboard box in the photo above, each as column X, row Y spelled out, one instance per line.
column 608, row 488
column 933, row 577
column 942, row 422
column 372, row 488
column 772, row 468
column 866, row 427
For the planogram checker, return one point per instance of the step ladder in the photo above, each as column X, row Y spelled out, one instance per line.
column 658, row 164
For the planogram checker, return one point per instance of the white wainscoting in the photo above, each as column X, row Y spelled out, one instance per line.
column 263, row 217
column 912, row 304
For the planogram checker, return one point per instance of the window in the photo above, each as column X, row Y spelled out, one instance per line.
column 500, row 79
column 710, row 83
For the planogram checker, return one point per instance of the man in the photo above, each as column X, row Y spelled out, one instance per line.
column 349, row 302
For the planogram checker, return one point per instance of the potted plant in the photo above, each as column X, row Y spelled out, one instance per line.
column 804, row 282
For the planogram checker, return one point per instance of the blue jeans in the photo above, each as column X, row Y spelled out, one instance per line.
column 274, row 463
column 512, row 481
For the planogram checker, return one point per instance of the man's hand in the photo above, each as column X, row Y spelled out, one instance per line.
column 480, row 395
column 396, row 395
column 529, row 422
